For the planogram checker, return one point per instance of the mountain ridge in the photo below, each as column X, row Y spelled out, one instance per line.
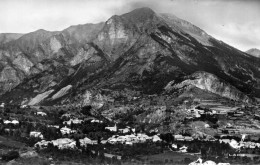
column 140, row 51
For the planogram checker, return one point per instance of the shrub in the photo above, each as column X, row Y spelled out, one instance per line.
column 10, row 156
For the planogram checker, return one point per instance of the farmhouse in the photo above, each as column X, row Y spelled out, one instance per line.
column 36, row 134
column 66, row 130
column 74, row 121
column 41, row 113
column 64, row 143
column 178, row 137
column 84, row 142
column 112, row 129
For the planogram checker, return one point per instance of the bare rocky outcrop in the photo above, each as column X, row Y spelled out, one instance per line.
column 211, row 83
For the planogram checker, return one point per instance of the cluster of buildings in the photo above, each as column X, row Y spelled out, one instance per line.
column 66, row 143
column 74, row 121
column 63, row 143
column 237, row 145
column 183, row 138
column 65, row 130
column 130, row 139
column 86, row 141
column 14, row 122
column 122, row 130
column 208, row 162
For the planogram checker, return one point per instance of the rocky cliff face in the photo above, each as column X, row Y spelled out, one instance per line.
column 138, row 51
column 22, row 56
column 210, row 83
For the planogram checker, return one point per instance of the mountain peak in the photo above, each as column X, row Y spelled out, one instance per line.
column 254, row 52
column 140, row 14
column 146, row 10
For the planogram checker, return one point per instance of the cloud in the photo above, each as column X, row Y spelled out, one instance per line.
column 235, row 22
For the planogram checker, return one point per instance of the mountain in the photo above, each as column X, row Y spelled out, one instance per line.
column 137, row 53
column 254, row 52
column 7, row 37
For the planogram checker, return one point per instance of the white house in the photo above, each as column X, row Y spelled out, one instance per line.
column 130, row 139
column 41, row 113
column 54, row 126
column 36, row 134
column 15, row 122
column 179, row 137
column 183, row 149
column 66, row 130
column 64, row 143
column 174, row 146
column 156, row 138
column 208, row 162
column 129, row 143
column 42, row 144
column 84, row 142
column 124, row 130
column 23, row 106
column 112, row 129
column 103, row 141
column 7, row 122
column 2, row 105
column 96, row 121
column 74, row 121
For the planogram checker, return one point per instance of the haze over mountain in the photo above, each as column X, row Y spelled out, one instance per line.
column 254, row 52
column 140, row 51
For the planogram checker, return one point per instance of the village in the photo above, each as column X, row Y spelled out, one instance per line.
column 45, row 130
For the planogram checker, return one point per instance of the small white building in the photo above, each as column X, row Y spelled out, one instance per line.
column 2, row 105
column 74, row 121
column 41, row 113
column 129, row 143
column 66, row 130
column 124, row 130
column 178, row 137
column 42, row 144
column 156, row 138
column 174, row 146
column 36, row 134
column 15, row 122
column 112, row 129
column 64, row 143
column 96, row 121
column 7, row 122
column 183, row 149
column 54, row 126
column 84, row 142
column 23, row 106
column 103, row 142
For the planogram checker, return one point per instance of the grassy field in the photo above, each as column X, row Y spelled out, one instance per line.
column 11, row 143
column 173, row 157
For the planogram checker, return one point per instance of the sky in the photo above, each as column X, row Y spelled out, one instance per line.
column 236, row 22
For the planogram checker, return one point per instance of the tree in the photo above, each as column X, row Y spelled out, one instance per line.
column 10, row 156
column 86, row 110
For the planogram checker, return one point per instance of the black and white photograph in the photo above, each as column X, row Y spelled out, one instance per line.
column 130, row 82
